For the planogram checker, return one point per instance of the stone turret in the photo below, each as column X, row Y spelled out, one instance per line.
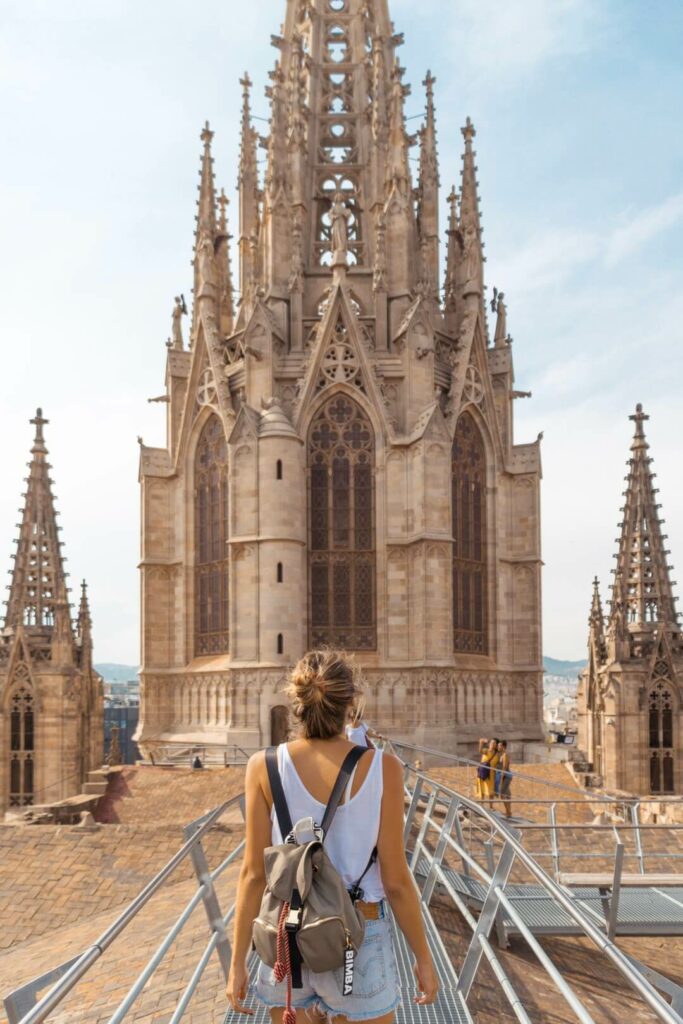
column 50, row 696
column 627, row 693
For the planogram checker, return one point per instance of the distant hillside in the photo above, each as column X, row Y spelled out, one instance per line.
column 117, row 673
column 568, row 669
column 553, row 667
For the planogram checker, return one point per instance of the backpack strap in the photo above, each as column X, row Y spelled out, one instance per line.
column 279, row 800
column 350, row 761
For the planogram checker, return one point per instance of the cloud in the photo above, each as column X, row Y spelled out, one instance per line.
column 511, row 40
column 550, row 258
column 631, row 236
column 547, row 259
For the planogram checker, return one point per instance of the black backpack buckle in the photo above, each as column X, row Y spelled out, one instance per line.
column 356, row 893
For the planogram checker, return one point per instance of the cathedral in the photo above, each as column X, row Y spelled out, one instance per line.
column 340, row 466
column 51, row 705
column 629, row 695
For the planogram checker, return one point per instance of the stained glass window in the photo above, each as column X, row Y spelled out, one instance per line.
column 212, row 561
column 470, row 590
column 341, row 455
column 21, row 753
column 661, row 739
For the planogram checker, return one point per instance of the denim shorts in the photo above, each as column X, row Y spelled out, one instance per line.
column 375, row 982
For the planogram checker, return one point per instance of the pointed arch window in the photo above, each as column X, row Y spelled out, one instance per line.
column 470, row 571
column 341, row 502
column 21, row 748
column 212, row 560
column 661, row 738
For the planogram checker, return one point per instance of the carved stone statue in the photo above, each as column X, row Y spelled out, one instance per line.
column 207, row 266
column 179, row 311
column 297, row 264
column 472, row 251
column 501, row 322
column 340, row 216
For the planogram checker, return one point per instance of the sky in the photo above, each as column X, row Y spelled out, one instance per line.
column 577, row 108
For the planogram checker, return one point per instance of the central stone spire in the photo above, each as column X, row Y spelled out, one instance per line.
column 337, row 139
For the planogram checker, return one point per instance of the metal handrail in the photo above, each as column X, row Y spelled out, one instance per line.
column 496, row 878
column 510, row 839
column 589, row 796
column 76, row 969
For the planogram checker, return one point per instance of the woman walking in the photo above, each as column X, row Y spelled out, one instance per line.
column 370, row 817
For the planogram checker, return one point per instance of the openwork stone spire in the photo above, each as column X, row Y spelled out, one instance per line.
column 38, row 592
column 470, row 221
column 642, row 591
column 84, row 626
column 248, row 187
column 223, row 238
column 596, row 623
column 206, row 218
column 428, row 196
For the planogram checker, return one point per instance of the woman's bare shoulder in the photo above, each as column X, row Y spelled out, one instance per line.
column 256, row 767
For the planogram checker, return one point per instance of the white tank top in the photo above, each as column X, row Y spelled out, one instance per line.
column 354, row 831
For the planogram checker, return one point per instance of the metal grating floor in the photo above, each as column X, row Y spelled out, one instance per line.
column 646, row 911
column 448, row 1009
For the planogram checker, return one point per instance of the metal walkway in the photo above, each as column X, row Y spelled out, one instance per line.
column 478, row 880
column 449, row 1008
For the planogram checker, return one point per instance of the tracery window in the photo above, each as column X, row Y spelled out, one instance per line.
column 21, row 748
column 470, row 591
column 342, row 561
column 212, row 559
column 661, row 738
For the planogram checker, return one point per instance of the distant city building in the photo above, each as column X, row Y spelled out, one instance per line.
column 340, row 466
column 127, row 692
column 50, row 695
column 125, row 716
column 629, row 696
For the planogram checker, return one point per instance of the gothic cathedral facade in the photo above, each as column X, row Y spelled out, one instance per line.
column 51, row 702
column 340, row 466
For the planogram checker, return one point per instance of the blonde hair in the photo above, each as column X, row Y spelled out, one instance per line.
column 322, row 688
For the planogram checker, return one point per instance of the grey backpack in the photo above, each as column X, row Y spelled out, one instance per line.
column 307, row 916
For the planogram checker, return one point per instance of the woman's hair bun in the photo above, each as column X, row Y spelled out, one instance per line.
column 321, row 689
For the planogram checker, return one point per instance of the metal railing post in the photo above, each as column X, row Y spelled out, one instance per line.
column 616, row 889
column 553, row 839
column 210, row 900
column 428, row 811
column 486, row 921
column 461, row 843
column 635, row 819
column 439, row 853
column 415, row 799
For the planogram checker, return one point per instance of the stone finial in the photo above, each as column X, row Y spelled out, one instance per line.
column 468, row 131
column 39, row 440
column 223, row 204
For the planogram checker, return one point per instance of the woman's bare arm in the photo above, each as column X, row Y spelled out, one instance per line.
column 398, row 881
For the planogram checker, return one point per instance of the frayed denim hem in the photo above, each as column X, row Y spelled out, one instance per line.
column 307, row 1004
column 325, row 1013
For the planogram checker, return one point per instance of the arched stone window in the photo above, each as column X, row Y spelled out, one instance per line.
column 470, row 591
column 21, row 748
column 341, row 457
column 211, row 541
column 661, row 738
